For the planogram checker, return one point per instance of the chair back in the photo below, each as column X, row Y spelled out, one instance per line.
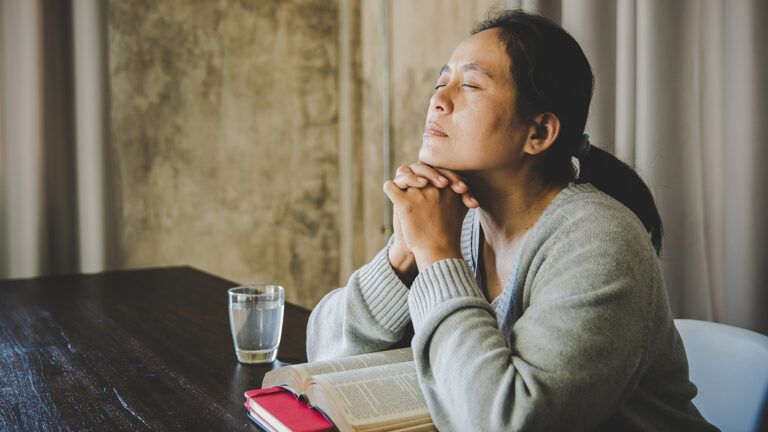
column 729, row 365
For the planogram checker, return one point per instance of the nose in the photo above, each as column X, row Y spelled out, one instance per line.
column 442, row 100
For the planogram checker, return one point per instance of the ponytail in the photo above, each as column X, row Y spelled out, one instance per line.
column 617, row 179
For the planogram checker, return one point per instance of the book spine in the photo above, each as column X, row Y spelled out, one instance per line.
column 335, row 429
column 304, row 398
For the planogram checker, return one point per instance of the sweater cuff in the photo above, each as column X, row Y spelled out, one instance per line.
column 384, row 293
column 440, row 282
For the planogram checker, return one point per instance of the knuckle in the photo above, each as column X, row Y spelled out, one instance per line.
column 417, row 167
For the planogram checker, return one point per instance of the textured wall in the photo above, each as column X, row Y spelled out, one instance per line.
column 224, row 120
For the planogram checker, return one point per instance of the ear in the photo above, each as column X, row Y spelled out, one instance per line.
column 542, row 134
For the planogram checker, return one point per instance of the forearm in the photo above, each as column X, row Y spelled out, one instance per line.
column 369, row 314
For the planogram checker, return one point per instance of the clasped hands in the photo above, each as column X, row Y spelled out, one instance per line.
column 429, row 206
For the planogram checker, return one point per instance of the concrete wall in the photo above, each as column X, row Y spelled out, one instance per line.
column 224, row 120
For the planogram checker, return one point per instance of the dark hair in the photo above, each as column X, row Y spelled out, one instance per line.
column 552, row 74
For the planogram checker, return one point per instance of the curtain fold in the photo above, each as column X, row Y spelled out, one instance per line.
column 22, row 139
column 98, row 200
column 56, row 211
column 745, row 138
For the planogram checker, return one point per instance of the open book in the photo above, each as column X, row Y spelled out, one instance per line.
column 368, row 392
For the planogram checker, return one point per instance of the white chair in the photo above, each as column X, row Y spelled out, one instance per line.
column 729, row 365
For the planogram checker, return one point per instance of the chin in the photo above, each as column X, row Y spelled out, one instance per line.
column 429, row 155
column 433, row 156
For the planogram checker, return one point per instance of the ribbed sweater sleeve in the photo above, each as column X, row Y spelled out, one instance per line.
column 369, row 314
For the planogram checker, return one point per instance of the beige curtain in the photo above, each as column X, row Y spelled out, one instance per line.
column 681, row 95
column 56, row 214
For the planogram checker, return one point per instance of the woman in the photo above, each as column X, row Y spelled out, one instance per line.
column 536, row 298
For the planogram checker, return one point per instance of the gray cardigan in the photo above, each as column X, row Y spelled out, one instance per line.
column 581, row 338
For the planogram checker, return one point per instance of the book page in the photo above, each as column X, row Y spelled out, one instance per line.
column 379, row 394
column 358, row 362
column 297, row 376
column 291, row 376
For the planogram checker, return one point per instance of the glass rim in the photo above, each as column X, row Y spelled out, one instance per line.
column 269, row 289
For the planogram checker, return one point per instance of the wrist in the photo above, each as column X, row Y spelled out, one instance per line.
column 426, row 257
column 403, row 263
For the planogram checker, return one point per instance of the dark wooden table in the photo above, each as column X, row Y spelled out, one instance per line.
column 127, row 350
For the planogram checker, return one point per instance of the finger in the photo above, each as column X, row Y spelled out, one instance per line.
column 405, row 181
column 459, row 186
column 423, row 170
column 469, row 201
column 403, row 169
column 394, row 193
column 457, row 183
column 435, row 174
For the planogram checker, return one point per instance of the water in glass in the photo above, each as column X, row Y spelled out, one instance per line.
column 256, row 324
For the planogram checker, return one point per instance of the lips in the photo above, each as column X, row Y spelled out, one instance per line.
column 433, row 130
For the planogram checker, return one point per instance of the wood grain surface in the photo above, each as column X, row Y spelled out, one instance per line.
column 127, row 350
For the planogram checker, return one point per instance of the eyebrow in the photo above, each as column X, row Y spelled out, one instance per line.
column 467, row 67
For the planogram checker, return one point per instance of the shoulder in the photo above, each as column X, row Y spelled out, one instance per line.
column 587, row 235
column 591, row 246
column 583, row 213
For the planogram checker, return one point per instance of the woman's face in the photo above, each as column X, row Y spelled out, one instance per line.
column 471, row 122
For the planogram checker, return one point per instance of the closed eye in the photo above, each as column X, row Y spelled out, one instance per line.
column 439, row 86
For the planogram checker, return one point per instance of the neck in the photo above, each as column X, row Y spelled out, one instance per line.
column 510, row 203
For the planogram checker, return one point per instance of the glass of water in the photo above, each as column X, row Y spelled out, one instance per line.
column 256, row 318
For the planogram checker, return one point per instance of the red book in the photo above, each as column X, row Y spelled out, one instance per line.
column 277, row 409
